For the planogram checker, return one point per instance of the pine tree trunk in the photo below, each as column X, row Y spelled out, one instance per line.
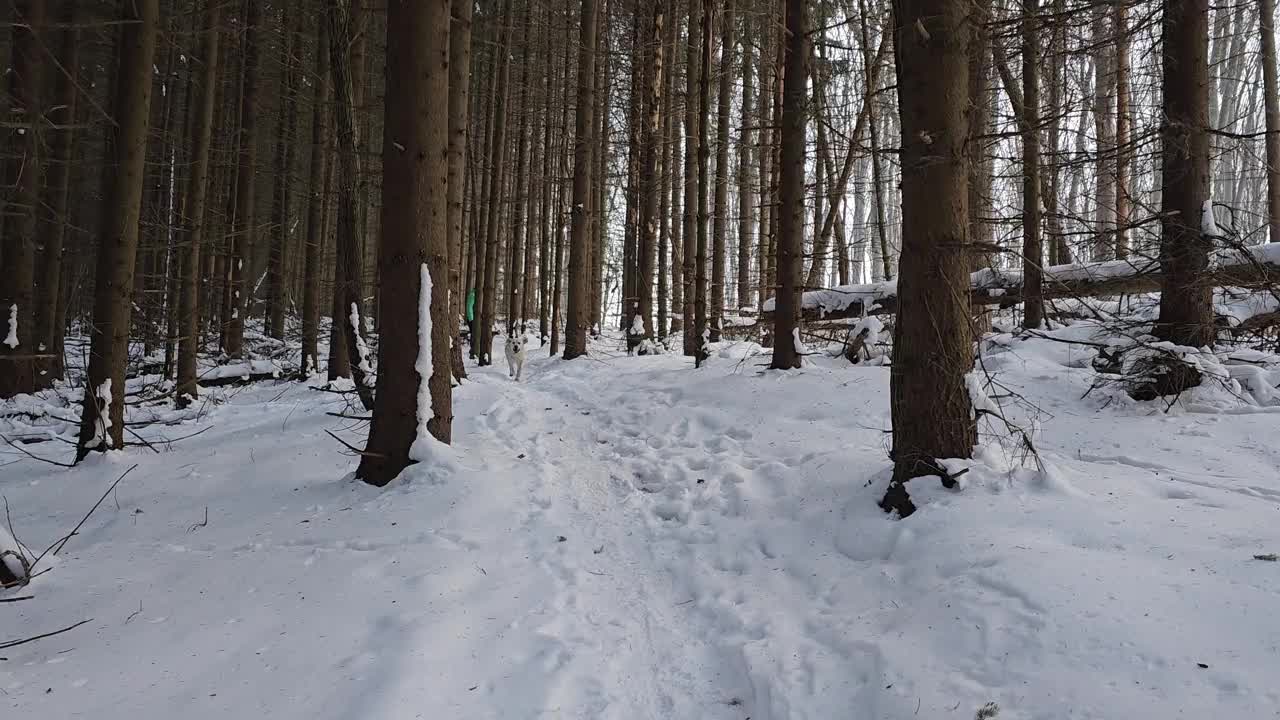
column 600, row 210
column 1032, row 255
column 701, row 333
column 692, row 212
column 280, row 203
column 65, row 111
column 1186, row 316
column 578, row 319
column 746, row 207
column 349, row 314
column 497, row 168
column 650, row 144
column 515, row 254
column 316, row 204
column 678, row 184
column 786, row 354
column 244, row 228
column 764, row 154
column 665, row 155
column 1271, row 99
column 102, row 417
column 20, row 160
column 929, row 399
column 414, row 259
column 194, row 206
column 721, row 226
column 459, row 127
column 1124, row 123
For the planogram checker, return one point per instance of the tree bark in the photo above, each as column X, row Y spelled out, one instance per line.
column 414, row 258
column 1032, row 255
column 1186, row 314
column 746, row 208
column 316, row 204
column 349, row 315
column 102, row 417
column 692, row 142
column 21, row 162
column 244, row 228
column 459, row 132
column 786, row 354
column 701, row 332
column 283, row 189
column 65, row 110
column 929, row 401
column 578, row 315
column 1271, row 99
column 497, row 167
column 194, row 207
column 650, row 144
column 721, row 223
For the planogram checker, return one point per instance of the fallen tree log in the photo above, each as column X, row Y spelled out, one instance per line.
column 1251, row 267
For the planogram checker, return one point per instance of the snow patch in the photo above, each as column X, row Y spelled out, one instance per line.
column 12, row 338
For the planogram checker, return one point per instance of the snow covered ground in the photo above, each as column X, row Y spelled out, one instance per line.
column 625, row 537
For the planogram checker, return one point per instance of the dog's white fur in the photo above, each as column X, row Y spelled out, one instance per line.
column 515, row 355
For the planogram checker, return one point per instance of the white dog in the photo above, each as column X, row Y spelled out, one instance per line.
column 515, row 354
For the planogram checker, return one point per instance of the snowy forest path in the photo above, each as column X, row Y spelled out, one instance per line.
column 593, row 461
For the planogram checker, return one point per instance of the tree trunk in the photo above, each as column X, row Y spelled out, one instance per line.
column 316, row 204
column 65, row 111
column 20, row 159
column 764, row 154
column 349, row 315
column 650, row 144
column 701, row 332
column 578, row 315
column 929, row 399
column 1032, row 256
column 244, row 227
column 786, row 354
column 497, row 167
column 746, row 209
column 1271, row 97
column 459, row 131
column 515, row 246
column 194, row 207
column 415, row 245
column 1186, row 313
column 721, row 226
column 1124, row 121
column 102, row 417
column 692, row 141
column 280, row 203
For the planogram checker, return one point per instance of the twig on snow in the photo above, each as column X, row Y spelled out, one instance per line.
column 15, row 643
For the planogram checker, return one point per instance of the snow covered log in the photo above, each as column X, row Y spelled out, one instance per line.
column 1250, row 267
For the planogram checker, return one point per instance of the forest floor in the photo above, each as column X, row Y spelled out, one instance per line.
column 625, row 537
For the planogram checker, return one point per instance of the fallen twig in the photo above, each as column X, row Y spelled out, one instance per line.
column 63, row 542
column 14, row 643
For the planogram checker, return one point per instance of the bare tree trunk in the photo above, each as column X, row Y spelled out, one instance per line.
column 665, row 155
column 1271, row 98
column 764, row 153
column 459, row 129
column 578, row 319
column 1186, row 316
column 281, row 201
column 679, row 186
column 194, row 209
column 721, row 226
column 48, row 335
column 700, row 330
column 21, row 162
column 317, row 204
column 349, row 314
column 244, row 226
column 1104, row 131
column 746, row 210
column 692, row 212
column 102, row 417
column 414, row 260
column 1124, row 121
column 929, row 399
column 515, row 254
column 649, row 183
column 497, row 167
column 600, row 210
column 786, row 354
column 1032, row 253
